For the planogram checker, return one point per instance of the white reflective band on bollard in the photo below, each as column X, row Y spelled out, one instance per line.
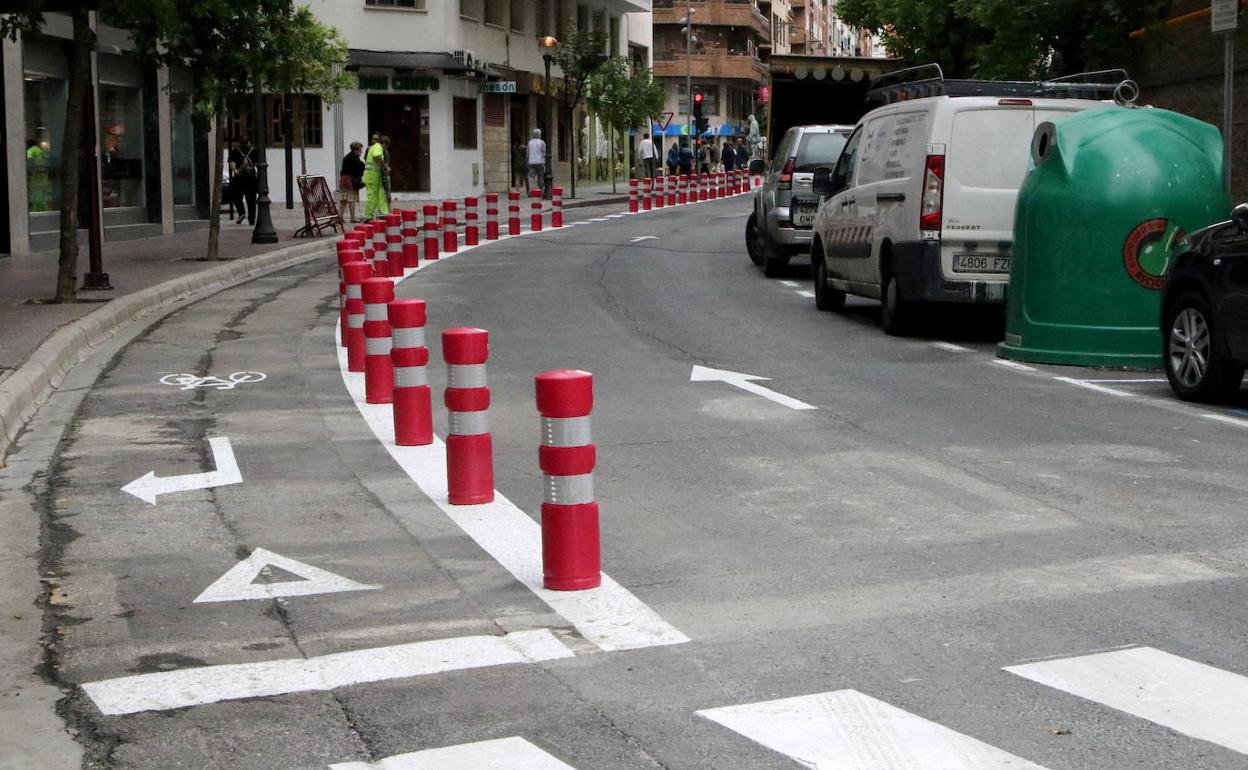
column 568, row 490
column 377, row 346
column 566, row 431
column 410, row 376
column 466, row 376
column 469, row 423
column 355, row 320
column 412, row 337
column 354, row 291
column 375, row 313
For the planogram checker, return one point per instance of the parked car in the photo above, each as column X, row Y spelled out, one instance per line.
column 1204, row 311
column 920, row 206
column 784, row 207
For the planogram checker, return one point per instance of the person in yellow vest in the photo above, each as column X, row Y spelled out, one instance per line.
column 375, row 169
column 38, row 180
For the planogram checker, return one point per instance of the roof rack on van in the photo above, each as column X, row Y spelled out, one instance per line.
column 929, row 80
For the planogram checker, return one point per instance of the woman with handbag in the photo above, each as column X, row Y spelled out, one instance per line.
column 350, row 180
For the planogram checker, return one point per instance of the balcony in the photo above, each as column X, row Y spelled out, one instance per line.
column 715, row 63
column 714, row 13
column 797, row 37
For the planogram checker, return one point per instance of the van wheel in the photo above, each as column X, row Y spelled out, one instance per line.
column 826, row 297
column 753, row 240
column 896, row 313
column 1195, row 369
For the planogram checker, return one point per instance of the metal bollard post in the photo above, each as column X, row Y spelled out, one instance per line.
column 571, row 554
column 535, row 211
column 491, row 216
column 431, row 231
column 469, row 446
column 411, row 248
column 513, row 212
column 556, row 207
column 632, row 196
column 450, row 235
column 378, row 371
column 413, row 411
column 355, row 273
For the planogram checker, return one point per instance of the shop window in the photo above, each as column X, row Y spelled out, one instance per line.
column 45, row 123
column 471, row 9
column 121, row 146
column 306, row 111
column 517, row 15
column 183, row 149
column 465, row 123
column 417, row 4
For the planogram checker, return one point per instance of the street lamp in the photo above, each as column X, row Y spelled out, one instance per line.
column 548, row 44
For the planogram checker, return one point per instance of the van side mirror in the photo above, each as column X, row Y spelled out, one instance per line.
column 757, row 166
column 1239, row 215
column 821, row 185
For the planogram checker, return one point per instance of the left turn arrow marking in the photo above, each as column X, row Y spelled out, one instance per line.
column 148, row 487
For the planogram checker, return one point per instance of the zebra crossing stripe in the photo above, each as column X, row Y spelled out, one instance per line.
column 847, row 730
column 501, row 754
column 1188, row 697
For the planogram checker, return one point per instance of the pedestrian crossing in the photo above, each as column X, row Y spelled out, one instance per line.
column 851, row 730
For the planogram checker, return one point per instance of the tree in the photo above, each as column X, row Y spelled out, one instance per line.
column 626, row 98
column 579, row 56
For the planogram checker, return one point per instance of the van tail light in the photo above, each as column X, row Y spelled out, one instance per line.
column 1014, row 103
column 786, row 176
column 931, row 211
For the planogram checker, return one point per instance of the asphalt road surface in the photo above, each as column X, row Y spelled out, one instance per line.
column 921, row 558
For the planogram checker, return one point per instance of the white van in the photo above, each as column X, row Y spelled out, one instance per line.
column 920, row 206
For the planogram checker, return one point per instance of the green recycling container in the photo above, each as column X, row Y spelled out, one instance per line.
column 1110, row 193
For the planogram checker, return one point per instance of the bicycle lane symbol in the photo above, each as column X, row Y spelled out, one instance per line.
column 191, row 381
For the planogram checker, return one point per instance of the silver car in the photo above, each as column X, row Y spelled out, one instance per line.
column 784, row 206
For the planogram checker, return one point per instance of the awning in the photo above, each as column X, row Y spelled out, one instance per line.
column 403, row 61
column 682, row 129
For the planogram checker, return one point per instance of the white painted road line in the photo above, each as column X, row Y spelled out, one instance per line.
column 805, row 293
column 1188, row 697
column 149, row 486
column 744, row 382
column 501, row 754
column 1222, row 418
column 1094, row 386
column 950, row 347
column 616, row 216
column 1013, row 365
column 609, row 616
column 641, row 238
column 212, row 684
column 239, row 582
column 1126, row 380
column 846, row 730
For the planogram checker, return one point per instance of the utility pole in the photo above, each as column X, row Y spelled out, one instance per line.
column 689, row 65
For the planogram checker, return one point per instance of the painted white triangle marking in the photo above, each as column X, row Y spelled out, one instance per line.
column 847, row 730
column 238, row 584
column 501, row 754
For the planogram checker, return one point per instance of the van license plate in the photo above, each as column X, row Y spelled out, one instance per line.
column 974, row 263
column 804, row 214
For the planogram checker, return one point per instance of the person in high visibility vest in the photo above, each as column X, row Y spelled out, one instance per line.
column 374, row 169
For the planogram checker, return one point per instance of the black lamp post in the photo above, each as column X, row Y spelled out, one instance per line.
column 549, row 43
column 264, row 232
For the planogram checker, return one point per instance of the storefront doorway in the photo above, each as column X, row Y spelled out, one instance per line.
column 405, row 119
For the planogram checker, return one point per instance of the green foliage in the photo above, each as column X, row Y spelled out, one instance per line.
column 1005, row 38
column 309, row 58
column 579, row 56
column 625, row 99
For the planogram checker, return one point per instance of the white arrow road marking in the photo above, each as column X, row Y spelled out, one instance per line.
column 239, row 583
column 501, row 754
column 846, row 730
column 745, row 382
column 148, row 487
column 643, row 238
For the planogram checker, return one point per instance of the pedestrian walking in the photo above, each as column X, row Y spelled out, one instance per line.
column 704, row 159
column 685, row 162
column 243, row 180
column 649, row 157
column 385, row 169
column 673, row 160
column 374, row 168
column 729, row 155
column 350, row 180
column 519, row 169
column 743, row 156
column 536, row 159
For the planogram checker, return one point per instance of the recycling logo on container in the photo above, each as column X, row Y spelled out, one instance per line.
column 1146, row 252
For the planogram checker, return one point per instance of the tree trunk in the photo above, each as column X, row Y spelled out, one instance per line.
column 214, row 207
column 611, row 154
column 79, row 73
column 300, row 119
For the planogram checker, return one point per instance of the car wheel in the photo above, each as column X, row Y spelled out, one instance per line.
column 896, row 314
column 1194, row 367
column 753, row 240
column 775, row 259
column 826, row 297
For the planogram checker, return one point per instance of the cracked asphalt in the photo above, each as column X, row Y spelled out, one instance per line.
column 936, row 518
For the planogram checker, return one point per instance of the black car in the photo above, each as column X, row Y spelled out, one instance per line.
column 1204, row 311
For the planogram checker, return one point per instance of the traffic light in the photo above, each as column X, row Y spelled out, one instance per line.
column 700, row 122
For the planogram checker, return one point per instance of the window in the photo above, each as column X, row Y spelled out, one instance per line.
column 710, row 98
column 517, row 15
column 465, row 123
column 495, row 12
column 843, row 174
column 545, row 17
column 45, row 122
column 471, row 9
column 613, row 38
column 418, row 5
column 305, row 111
column 121, row 146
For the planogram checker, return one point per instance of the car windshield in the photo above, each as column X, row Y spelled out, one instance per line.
column 818, row 150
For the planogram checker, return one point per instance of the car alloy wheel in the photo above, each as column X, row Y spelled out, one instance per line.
column 1194, row 367
column 1189, row 348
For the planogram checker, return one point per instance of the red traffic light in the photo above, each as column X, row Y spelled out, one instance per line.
column 697, row 98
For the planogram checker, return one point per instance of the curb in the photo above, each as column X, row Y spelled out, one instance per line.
column 23, row 391
column 580, row 203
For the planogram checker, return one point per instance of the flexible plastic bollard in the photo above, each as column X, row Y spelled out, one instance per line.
column 469, row 446
column 450, row 235
column 378, row 370
column 411, row 246
column 647, row 193
column 491, row 216
column 345, row 257
column 556, row 207
column 535, row 211
column 682, row 190
column 693, row 188
column 431, row 231
column 571, row 555
column 659, row 197
column 513, row 212
column 379, row 238
column 671, row 190
column 413, row 410
column 704, row 188
column 363, row 232
column 472, row 234
column 355, row 273
column 394, row 244
column 633, row 206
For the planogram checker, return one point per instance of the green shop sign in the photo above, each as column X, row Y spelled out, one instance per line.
column 397, row 83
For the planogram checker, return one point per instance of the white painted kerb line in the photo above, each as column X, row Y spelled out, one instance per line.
column 805, row 293
column 950, row 347
column 1222, row 418
column 1013, row 365
column 501, row 754
column 212, row 684
column 1094, row 386
column 1188, row 697
column 847, row 730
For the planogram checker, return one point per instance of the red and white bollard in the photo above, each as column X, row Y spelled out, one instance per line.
column 431, row 231
column 363, row 232
column 671, row 190
column 556, row 207
column 411, row 247
column 571, row 556
column 345, row 257
column 472, row 234
column 450, row 233
column 659, row 196
column 379, row 238
column 513, row 212
column 633, row 207
column 704, row 191
column 355, row 273
column 693, row 188
column 535, row 211
column 647, row 193
column 469, row 446
column 413, row 409
column 682, row 190
column 378, row 370
column 491, row 216
column 394, row 244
